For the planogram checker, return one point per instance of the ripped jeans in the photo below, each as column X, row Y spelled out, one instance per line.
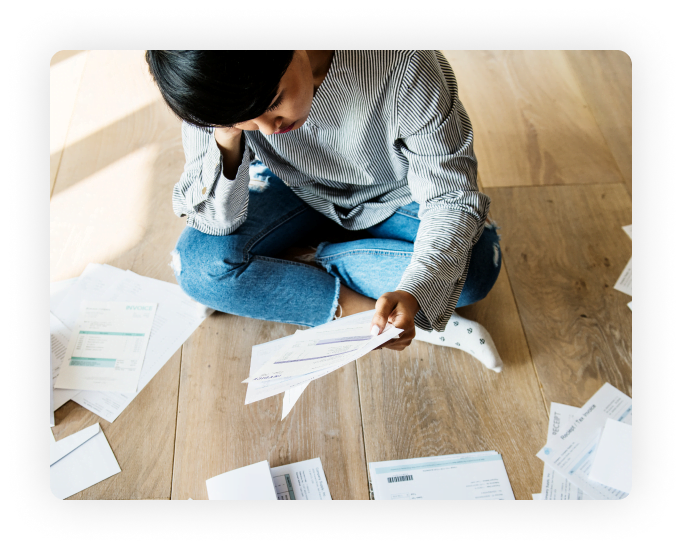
column 241, row 274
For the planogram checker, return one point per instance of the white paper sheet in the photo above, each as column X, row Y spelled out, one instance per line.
column 537, row 496
column 572, row 453
column 107, row 349
column 59, row 449
column 321, row 348
column 88, row 464
column 628, row 230
column 630, row 305
column 177, row 317
column 291, row 396
column 624, row 283
column 59, row 342
column 469, row 476
column 612, row 464
column 554, row 485
column 301, row 481
column 252, row 482
column 90, row 286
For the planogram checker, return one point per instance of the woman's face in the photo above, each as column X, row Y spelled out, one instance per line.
column 291, row 106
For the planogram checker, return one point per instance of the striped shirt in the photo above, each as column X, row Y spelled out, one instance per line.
column 385, row 128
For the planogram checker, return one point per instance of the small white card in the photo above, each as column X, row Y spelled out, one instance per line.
column 252, row 482
column 83, row 466
column 612, row 464
column 107, row 347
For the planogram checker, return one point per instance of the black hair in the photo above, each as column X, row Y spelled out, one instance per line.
column 218, row 87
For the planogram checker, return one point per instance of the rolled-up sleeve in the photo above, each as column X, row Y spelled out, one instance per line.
column 437, row 140
column 212, row 203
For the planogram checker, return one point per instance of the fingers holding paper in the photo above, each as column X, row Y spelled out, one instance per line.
column 399, row 309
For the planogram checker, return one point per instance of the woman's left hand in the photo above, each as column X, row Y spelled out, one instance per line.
column 399, row 309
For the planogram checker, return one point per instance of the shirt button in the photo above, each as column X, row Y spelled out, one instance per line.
column 203, row 191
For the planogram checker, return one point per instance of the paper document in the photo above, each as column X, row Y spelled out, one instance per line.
column 177, row 317
column 107, row 348
column 59, row 342
column 572, row 453
column 554, row 485
column 59, row 449
column 85, row 465
column 469, row 476
column 301, row 481
column 293, row 386
column 612, row 464
column 628, row 230
column 624, row 283
column 59, row 290
column 252, row 482
column 537, row 496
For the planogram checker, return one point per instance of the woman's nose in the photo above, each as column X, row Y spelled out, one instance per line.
column 268, row 125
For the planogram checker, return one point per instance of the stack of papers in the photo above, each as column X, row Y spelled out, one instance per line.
column 589, row 450
column 80, row 461
column 469, row 476
column 175, row 318
column 300, row 481
column 289, row 364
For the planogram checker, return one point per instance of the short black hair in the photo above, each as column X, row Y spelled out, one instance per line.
column 218, row 87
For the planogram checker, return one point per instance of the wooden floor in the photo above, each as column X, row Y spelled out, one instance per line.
column 553, row 139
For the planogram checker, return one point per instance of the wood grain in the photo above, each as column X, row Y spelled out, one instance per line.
column 430, row 400
column 216, row 432
column 564, row 249
column 142, row 439
column 111, row 204
column 66, row 70
column 531, row 123
column 605, row 78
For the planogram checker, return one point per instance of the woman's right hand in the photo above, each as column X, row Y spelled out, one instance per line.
column 229, row 141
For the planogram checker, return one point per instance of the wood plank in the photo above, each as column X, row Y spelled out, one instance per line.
column 142, row 439
column 111, row 204
column 216, row 432
column 430, row 400
column 605, row 78
column 66, row 69
column 564, row 249
column 531, row 122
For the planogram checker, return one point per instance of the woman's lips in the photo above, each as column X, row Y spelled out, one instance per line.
column 287, row 129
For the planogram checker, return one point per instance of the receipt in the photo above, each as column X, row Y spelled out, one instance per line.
column 572, row 452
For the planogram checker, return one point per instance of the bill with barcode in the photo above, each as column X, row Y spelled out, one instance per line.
column 469, row 476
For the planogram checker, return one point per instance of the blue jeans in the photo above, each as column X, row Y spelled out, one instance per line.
column 240, row 273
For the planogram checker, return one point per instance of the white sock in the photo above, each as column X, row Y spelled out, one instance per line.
column 469, row 336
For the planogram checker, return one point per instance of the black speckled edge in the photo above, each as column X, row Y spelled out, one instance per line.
column 39, row 36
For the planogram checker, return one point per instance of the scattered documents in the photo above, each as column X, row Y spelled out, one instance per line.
column 291, row 363
column 571, row 454
column 107, row 348
column 177, row 316
column 299, row 481
column 469, row 476
column 80, row 461
column 59, row 342
column 554, row 485
column 612, row 464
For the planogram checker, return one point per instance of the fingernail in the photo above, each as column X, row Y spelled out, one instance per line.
column 375, row 330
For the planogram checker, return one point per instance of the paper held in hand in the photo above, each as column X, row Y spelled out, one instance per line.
column 330, row 345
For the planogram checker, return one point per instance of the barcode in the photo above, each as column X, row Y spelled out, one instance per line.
column 399, row 478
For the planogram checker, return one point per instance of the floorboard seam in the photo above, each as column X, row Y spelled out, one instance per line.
column 362, row 426
column 175, row 432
